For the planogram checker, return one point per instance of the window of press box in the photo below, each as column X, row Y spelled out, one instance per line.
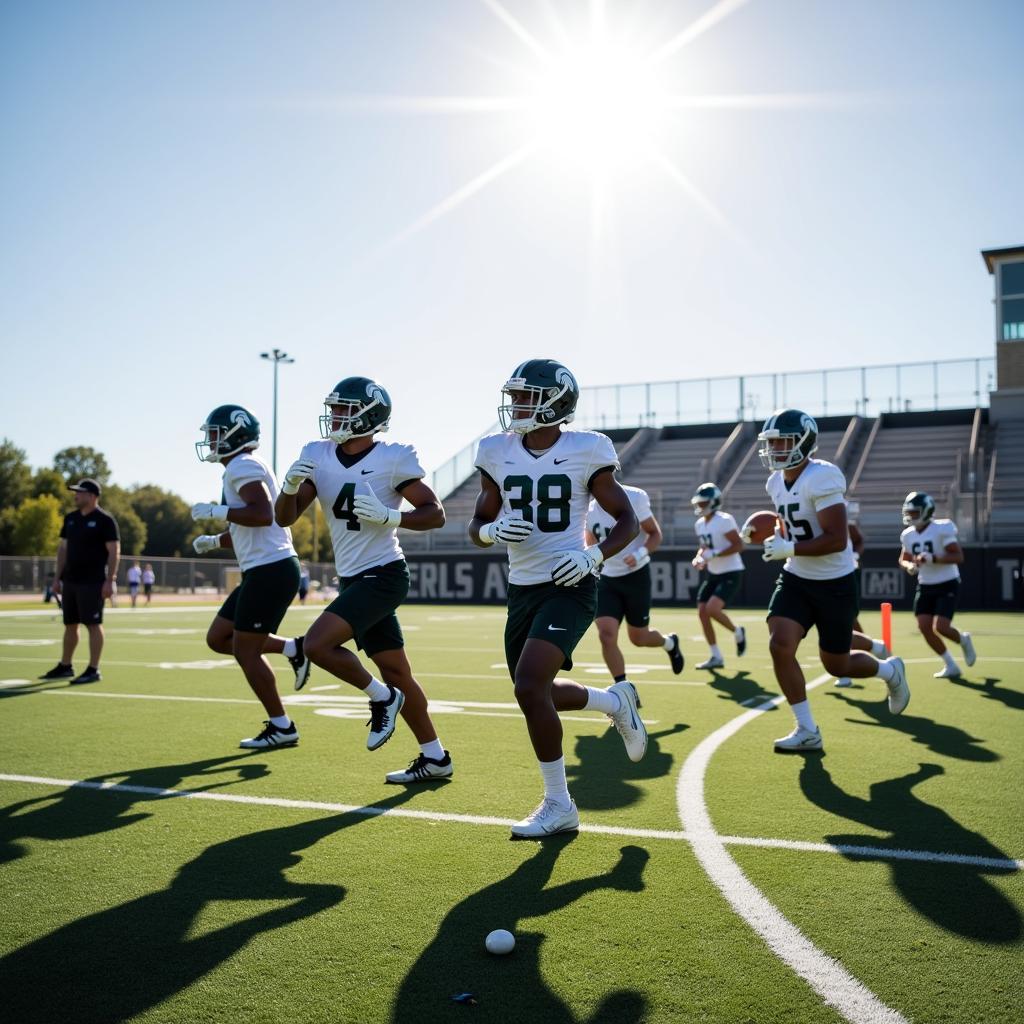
column 1012, row 278
column 1013, row 319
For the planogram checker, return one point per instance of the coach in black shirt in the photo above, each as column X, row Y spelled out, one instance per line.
column 87, row 560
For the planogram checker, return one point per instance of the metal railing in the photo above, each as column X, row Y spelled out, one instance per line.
column 853, row 391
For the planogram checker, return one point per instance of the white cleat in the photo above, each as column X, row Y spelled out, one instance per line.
column 844, row 681
column 800, row 739
column 947, row 673
column 422, row 769
column 967, row 646
column 899, row 691
column 712, row 663
column 272, row 736
column 547, row 819
column 627, row 720
column 384, row 718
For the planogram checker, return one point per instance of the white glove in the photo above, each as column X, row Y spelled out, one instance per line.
column 926, row 557
column 777, row 548
column 699, row 564
column 204, row 510
column 572, row 566
column 206, row 542
column 747, row 535
column 370, row 509
column 911, row 568
column 300, row 469
column 507, row 529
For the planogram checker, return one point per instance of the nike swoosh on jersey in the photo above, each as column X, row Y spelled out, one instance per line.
column 364, row 472
column 558, row 462
column 560, row 629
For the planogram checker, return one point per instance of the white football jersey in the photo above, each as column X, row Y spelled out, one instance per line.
column 711, row 534
column 935, row 537
column 551, row 489
column 381, row 470
column 599, row 523
column 254, row 545
column 821, row 485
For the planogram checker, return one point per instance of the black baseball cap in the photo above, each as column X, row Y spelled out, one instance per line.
column 86, row 485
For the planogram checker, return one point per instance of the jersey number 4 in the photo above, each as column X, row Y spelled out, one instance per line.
column 342, row 507
column 553, row 493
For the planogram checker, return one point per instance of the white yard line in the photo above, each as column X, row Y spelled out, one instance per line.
column 833, row 983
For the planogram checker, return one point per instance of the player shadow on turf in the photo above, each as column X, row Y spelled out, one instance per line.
column 80, row 811
column 513, row 987
column 990, row 691
column 740, row 688
column 938, row 737
column 956, row 897
column 603, row 779
column 112, row 965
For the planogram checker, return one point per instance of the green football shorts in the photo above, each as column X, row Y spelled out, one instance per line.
column 367, row 602
column 546, row 611
column 831, row 605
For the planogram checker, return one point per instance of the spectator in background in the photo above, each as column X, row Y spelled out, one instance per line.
column 148, row 579
column 48, row 594
column 303, row 582
column 87, row 558
column 134, row 579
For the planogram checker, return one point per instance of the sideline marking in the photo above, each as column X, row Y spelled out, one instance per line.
column 826, row 976
column 868, row 852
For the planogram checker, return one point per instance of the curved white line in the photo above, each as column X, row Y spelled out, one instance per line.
column 836, row 986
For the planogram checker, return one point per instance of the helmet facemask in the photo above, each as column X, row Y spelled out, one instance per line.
column 781, row 451
column 521, row 416
column 219, row 444
column 340, row 427
column 707, row 499
column 921, row 504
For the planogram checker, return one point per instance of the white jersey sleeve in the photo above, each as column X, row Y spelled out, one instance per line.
column 600, row 524
column 827, row 486
column 406, row 466
column 254, row 545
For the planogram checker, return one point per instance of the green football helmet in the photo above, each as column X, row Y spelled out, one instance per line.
column 918, row 508
column 794, row 427
column 707, row 499
column 551, row 396
column 227, row 430
column 365, row 410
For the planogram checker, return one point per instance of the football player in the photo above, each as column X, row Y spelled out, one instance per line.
column 536, row 481
column 718, row 554
column 816, row 585
column 931, row 552
column 361, row 483
column 244, row 626
column 624, row 587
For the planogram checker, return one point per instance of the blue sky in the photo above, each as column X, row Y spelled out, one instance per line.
column 187, row 184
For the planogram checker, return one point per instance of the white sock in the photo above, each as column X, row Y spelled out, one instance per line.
column 555, row 788
column 715, row 652
column 878, row 648
column 886, row 670
column 281, row 721
column 738, row 632
column 289, row 649
column 804, row 718
column 669, row 643
column 602, row 700
column 433, row 750
column 948, row 659
column 377, row 690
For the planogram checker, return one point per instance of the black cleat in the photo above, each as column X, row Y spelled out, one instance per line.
column 90, row 675
column 741, row 642
column 675, row 655
column 300, row 663
column 59, row 671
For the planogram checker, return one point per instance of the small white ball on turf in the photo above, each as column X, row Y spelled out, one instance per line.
column 500, row 942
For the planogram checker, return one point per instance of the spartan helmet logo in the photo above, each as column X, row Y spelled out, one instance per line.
column 806, row 422
column 565, row 378
column 240, row 418
column 374, row 392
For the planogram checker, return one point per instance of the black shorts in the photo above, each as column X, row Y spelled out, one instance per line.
column 82, row 602
column 937, row 598
column 367, row 602
column 626, row 597
column 831, row 605
column 260, row 601
column 133, row 588
column 147, row 588
column 723, row 586
column 546, row 611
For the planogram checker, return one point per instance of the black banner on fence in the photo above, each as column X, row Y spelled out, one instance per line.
column 992, row 578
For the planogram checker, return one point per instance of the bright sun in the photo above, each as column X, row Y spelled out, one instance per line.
column 599, row 106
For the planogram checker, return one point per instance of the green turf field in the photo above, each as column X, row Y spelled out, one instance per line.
column 283, row 892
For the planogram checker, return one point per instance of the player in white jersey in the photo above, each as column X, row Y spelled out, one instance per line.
column 930, row 550
column 536, row 481
column 361, row 483
column 718, row 553
column 244, row 627
column 624, row 587
column 816, row 586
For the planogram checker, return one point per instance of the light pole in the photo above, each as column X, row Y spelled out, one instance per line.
column 276, row 357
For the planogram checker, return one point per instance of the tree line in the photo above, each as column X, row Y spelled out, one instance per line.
column 152, row 520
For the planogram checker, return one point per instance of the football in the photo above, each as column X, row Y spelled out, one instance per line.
column 761, row 526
